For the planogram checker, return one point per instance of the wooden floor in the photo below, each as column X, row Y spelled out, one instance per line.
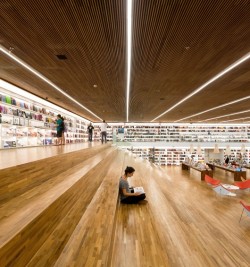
column 16, row 156
column 184, row 222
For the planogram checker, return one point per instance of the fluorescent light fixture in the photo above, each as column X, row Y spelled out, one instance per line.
column 216, row 77
column 39, row 75
column 191, row 149
column 129, row 52
column 231, row 114
column 216, row 148
column 237, row 119
column 7, row 87
column 228, row 150
column 243, row 148
column 199, row 152
column 220, row 106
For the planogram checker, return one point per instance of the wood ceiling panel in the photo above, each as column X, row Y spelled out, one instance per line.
column 177, row 46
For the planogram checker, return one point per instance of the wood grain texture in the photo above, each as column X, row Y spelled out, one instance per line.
column 194, row 226
column 18, row 156
column 177, row 46
column 90, row 243
column 15, row 181
column 184, row 223
column 32, row 217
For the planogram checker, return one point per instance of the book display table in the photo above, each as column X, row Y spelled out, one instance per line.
column 237, row 174
column 186, row 166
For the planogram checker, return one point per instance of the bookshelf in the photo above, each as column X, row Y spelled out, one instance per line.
column 27, row 122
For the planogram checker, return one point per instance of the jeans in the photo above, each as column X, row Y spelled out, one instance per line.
column 90, row 137
column 104, row 137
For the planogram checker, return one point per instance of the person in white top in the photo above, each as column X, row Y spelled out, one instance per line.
column 104, row 131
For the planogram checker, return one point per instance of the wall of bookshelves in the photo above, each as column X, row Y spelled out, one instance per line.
column 170, row 143
column 175, row 156
column 186, row 133
column 25, row 122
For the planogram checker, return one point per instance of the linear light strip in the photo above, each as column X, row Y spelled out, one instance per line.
column 129, row 51
column 28, row 67
column 236, row 113
column 236, row 119
column 24, row 95
column 220, row 106
column 232, row 66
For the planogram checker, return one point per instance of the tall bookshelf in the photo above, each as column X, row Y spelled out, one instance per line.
column 171, row 142
column 25, row 122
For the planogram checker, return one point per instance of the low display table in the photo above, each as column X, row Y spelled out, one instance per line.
column 237, row 174
column 186, row 166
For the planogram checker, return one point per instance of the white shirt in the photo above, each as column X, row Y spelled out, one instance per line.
column 104, row 127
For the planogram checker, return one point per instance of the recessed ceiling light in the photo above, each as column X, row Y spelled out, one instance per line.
column 61, row 57
column 95, row 85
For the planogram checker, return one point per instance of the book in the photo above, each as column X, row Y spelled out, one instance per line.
column 139, row 189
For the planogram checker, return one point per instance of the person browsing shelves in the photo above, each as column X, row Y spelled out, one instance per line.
column 104, row 131
column 90, row 131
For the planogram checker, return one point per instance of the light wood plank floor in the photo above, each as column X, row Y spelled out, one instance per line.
column 183, row 224
column 14, row 157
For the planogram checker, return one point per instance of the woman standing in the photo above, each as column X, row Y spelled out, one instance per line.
column 127, row 195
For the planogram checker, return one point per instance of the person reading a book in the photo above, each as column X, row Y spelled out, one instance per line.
column 129, row 195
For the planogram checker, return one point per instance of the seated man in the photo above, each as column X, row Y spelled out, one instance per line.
column 126, row 195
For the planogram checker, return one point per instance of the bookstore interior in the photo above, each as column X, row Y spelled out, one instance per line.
column 27, row 120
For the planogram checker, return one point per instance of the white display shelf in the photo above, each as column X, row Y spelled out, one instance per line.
column 26, row 122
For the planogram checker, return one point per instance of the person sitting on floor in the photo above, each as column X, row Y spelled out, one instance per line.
column 127, row 195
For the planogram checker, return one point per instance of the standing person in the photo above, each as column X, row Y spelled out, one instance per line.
column 63, row 130
column 127, row 195
column 104, row 131
column 59, row 129
column 90, row 131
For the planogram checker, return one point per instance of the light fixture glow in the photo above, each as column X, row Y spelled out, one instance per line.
column 129, row 52
column 228, row 150
column 191, row 149
column 37, row 100
column 217, row 107
column 216, row 148
column 39, row 75
column 199, row 152
column 232, row 66
column 243, row 148
column 231, row 114
column 236, row 119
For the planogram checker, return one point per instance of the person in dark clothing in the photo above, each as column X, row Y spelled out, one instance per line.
column 227, row 160
column 59, row 129
column 90, row 132
column 127, row 195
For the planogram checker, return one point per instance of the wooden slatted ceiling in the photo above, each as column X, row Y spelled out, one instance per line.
column 177, row 46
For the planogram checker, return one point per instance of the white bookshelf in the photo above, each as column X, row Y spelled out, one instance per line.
column 27, row 122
